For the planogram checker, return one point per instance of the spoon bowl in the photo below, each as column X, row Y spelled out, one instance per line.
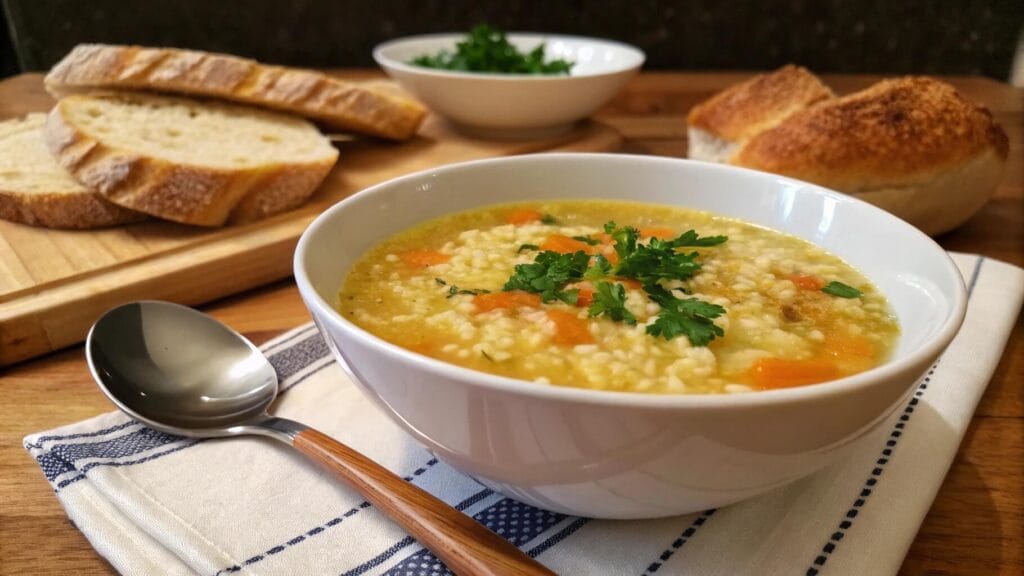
column 209, row 387
column 183, row 372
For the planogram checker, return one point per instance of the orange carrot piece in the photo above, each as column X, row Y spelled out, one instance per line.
column 505, row 300
column 772, row 373
column 569, row 329
column 806, row 282
column 848, row 347
column 657, row 232
column 585, row 297
column 565, row 245
column 421, row 258
column 520, row 217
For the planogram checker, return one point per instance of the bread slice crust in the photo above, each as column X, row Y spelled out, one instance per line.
column 35, row 190
column 199, row 190
column 333, row 103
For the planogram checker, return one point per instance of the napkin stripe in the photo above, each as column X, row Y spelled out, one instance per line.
column 679, row 542
column 39, row 441
column 394, row 549
column 513, row 520
column 832, row 542
column 320, row 528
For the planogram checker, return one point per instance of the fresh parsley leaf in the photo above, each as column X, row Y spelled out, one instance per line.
column 454, row 291
column 599, row 270
column 625, row 239
column 548, row 275
column 587, row 240
column 548, row 219
column 841, row 290
column 525, row 247
column 691, row 238
column 486, row 49
column 690, row 317
column 610, row 300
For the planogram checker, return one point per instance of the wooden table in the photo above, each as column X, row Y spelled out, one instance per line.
column 976, row 525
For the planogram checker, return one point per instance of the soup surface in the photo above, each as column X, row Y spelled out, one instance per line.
column 620, row 296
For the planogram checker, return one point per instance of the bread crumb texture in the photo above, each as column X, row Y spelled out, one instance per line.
column 186, row 160
column 35, row 190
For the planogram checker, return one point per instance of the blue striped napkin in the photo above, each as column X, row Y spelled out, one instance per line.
column 153, row 503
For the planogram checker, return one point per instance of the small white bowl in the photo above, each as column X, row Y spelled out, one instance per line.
column 626, row 455
column 514, row 105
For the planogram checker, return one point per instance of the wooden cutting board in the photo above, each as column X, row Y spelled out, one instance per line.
column 55, row 283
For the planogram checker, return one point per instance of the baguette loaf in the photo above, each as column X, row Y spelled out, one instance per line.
column 333, row 103
column 202, row 163
column 35, row 190
column 913, row 146
column 719, row 125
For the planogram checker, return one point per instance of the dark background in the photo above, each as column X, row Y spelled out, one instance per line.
column 939, row 37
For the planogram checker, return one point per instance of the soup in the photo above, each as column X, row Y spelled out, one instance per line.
column 620, row 296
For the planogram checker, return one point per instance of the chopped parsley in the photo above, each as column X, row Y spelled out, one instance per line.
column 548, row 275
column 684, row 316
column 653, row 264
column 525, row 247
column 486, row 49
column 454, row 290
column 548, row 219
column 610, row 300
column 587, row 240
column 841, row 290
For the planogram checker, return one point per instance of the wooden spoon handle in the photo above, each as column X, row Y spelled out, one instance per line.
column 463, row 544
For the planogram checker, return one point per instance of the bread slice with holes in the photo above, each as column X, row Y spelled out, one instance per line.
column 35, row 190
column 202, row 163
column 335, row 104
column 717, row 127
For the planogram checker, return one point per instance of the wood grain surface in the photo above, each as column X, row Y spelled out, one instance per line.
column 53, row 283
column 975, row 526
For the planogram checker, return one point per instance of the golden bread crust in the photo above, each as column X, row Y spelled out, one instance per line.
column 895, row 133
column 741, row 111
column 334, row 103
column 188, row 193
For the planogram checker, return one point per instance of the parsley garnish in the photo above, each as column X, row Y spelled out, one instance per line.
column 549, row 274
column 525, row 247
column 548, row 219
column 587, row 240
column 841, row 290
column 455, row 291
column 689, row 316
column 610, row 300
column 652, row 264
column 486, row 49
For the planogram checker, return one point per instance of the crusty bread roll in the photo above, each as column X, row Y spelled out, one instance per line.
column 913, row 146
column 35, row 190
column 334, row 103
column 202, row 163
column 719, row 125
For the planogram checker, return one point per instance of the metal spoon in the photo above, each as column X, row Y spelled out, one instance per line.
column 182, row 372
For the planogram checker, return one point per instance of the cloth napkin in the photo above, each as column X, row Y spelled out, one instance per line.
column 153, row 503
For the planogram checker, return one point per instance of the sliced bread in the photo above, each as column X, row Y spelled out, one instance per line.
column 202, row 163
column 35, row 190
column 333, row 103
column 719, row 125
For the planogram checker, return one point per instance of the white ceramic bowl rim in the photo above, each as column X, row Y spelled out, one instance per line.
column 635, row 57
column 931, row 348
